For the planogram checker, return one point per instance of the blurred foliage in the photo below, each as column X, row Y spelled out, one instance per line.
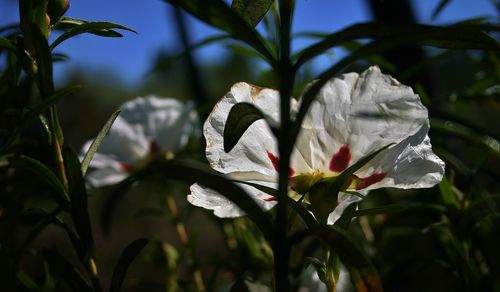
column 440, row 239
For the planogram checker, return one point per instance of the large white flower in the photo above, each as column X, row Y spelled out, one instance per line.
column 144, row 127
column 352, row 116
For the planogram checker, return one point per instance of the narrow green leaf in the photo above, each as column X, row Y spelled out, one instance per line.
column 252, row 11
column 126, row 258
column 307, row 217
column 166, row 62
column 442, row 4
column 27, row 281
column 44, row 175
column 447, row 194
column 78, row 194
column 345, row 219
column 97, row 142
column 362, row 272
column 220, row 15
column 324, row 194
column 49, row 102
column 460, row 36
column 7, row 44
column 398, row 208
column 99, row 28
column 241, row 116
column 75, row 281
column 455, row 129
column 191, row 172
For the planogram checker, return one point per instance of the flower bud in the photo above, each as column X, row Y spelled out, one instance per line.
column 56, row 9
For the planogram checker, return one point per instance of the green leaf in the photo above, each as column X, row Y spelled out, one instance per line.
column 78, row 194
column 27, row 281
column 252, row 11
column 455, row 129
column 448, row 196
column 397, row 208
column 221, row 16
column 49, row 102
column 191, row 172
column 44, row 175
column 97, row 28
column 362, row 272
column 126, row 258
column 44, row 219
column 324, row 194
column 97, row 142
column 75, row 281
column 459, row 36
column 167, row 61
column 345, row 219
column 241, row 116
column 442, row 4
column 7, row 44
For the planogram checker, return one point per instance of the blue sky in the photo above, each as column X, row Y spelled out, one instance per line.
column 130, row 57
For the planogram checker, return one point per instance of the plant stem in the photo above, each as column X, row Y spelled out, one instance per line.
column 185, row 241
column 286, row 80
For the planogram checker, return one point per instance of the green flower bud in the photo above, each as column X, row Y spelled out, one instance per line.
column 56, row 9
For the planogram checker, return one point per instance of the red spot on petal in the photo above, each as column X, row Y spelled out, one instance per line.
column 270, row 199
column 365, row 182
column 276, row 163
column 127, row 167
column 154, row 147
column 341, row 159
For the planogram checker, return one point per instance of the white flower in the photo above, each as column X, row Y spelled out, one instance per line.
column 352, row 116
column 145, row 126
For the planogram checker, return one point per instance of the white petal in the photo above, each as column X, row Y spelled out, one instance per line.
column 365, row 111
column 123, row 143
column 165, row 120
column 105, row 176
column 345, row 200
column 250, row 155
column 222, row 207
column 410, row 164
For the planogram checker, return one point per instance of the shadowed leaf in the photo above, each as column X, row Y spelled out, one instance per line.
column 126, row 258
column 241, row 116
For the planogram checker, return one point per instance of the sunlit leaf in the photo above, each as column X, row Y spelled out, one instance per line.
column 126, row 258
column 252, row 11
column 220, row 15
column 98, row 28
column 97, row 142
column 241, row 116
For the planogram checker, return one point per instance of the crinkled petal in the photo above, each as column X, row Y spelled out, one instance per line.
column 364, row 111
column 345, row 200
column 252, row 153
column 409, row 164
column 209, row 199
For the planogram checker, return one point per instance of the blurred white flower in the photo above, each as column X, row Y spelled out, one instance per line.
column 352, row 116
column 145, row 126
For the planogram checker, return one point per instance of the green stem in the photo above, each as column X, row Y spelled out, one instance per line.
column 185, row 242
column 286, row 81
